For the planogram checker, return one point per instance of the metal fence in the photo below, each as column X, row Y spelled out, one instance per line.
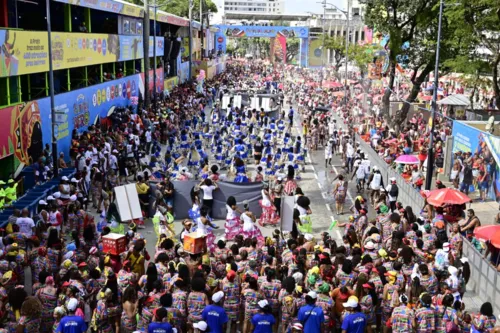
column 484, row 280
column 408, row 195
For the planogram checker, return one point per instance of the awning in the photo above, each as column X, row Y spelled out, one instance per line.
column 457, row 100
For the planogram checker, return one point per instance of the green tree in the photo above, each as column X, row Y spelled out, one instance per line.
column 477, row 22
column 337, row 44
column 292, row 49
column 361, row 56
column 412, row 26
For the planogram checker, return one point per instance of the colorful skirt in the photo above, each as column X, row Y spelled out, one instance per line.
column 254, row 233
column 232, row 310
column 210, row 238
column 268, row 215
column 128, row 325
column 232, row 228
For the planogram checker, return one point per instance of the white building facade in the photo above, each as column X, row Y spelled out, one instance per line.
column 254, row 6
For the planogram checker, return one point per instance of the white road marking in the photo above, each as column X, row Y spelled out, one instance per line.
column 316, row 176
column 328, row 207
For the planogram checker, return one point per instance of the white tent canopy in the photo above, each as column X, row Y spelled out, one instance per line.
column 455, row 100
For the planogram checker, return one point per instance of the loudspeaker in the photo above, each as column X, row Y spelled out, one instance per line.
column 176, row 47
column 167, row 49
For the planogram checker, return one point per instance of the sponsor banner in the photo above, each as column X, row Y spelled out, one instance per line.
column 315, row 53
column 170, row 83
column 27, row 52
column 159, row 81
column 108, row 6
column 280, row 49
column 263, row 31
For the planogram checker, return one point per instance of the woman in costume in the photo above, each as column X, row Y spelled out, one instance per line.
column 232, row 226
column 268, row 215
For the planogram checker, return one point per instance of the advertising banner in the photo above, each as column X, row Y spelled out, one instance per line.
column 108, row 6
column 315, row 53
column 183, row 72
column 27, row 127
column 26, row 51
column 159, row 80
column 170, row 83
column 280, row 49
column 263, row 31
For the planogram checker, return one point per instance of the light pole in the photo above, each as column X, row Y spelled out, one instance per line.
column 51, row 90
column 346, row 13
column 191, row 5
column 145, row 30
column 430, row 154
column 154, row 57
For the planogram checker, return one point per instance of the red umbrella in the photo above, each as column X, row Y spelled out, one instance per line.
column 488, row 233
column 447, row 196
column 332, row 84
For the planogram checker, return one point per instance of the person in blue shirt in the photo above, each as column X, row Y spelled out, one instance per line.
column 215, row 315
column 310, row 315
column 158, row 326
column 263, row 322
column 354, row 321
column 72, row 323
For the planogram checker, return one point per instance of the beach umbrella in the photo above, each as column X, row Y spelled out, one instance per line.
column 407, row 159
column 447, row 196
column 488, row 233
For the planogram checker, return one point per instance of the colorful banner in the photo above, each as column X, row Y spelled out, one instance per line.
column 263, row 31
column 159, row 80
column 183, row 72
column 108, row 6
column 26, row 52
column 170, row 83
column 280, row 49
column 315, row 53
column 185, row 47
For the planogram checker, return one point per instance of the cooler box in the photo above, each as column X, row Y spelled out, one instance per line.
column 194, row 243
column 114, row 243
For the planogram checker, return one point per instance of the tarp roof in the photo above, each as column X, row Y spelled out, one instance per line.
column 457, row 100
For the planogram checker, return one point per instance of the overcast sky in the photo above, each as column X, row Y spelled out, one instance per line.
column 303, row 6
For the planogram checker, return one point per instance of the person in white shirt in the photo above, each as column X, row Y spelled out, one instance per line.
column 349, row 153
column 148, row 141
column 392, row 193
column 376, row 183
column 26, row 224
column 208, row 188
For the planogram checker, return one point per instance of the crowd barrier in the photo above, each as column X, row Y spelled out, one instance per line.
column 30, row 199
column 407, row 194
column 484, row 280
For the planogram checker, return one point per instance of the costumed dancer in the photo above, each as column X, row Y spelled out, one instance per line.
column 203, row 228
column 268, row 215
column 241, row 175
column 233, row 223
column 194, row 159
column 250, row 230
column 302, row 205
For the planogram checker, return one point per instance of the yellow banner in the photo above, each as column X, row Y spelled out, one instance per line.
column 26, row 52
column 315, row 53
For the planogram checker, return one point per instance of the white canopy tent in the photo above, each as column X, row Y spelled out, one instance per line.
column 455, row 100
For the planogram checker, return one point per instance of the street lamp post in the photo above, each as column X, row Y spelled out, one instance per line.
column 430, row 154
column 154, row 58
column 51, row 90
column 190, row 38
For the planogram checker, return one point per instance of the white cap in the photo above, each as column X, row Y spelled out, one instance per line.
column 42, row 202
column 369, row 245
column 64, row 178
column 74, row 180
column 49, row 198
column 446, row 247
column 308, row 237
column 73, row 197
column 57, row 195
column 351, row 303
column 201, row 325
column 217, row 296
column 375, row 167
column 68, row 255
column 72, row 304
column 312, row 294
column 452, row 270
column 280, row 178
column 115, row 151
column 263, row 303
column 392, row 179
column 463, row 260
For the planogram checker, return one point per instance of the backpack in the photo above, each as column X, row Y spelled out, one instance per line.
column 441, row 235
column 394, row 191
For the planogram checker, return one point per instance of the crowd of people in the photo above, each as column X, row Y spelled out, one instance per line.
column 394, row 270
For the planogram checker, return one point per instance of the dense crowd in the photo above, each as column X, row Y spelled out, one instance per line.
column 393, row 269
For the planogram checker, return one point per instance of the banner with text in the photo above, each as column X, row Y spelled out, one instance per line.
column 26, row 52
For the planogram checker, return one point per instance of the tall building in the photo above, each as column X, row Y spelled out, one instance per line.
column 254, row 6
